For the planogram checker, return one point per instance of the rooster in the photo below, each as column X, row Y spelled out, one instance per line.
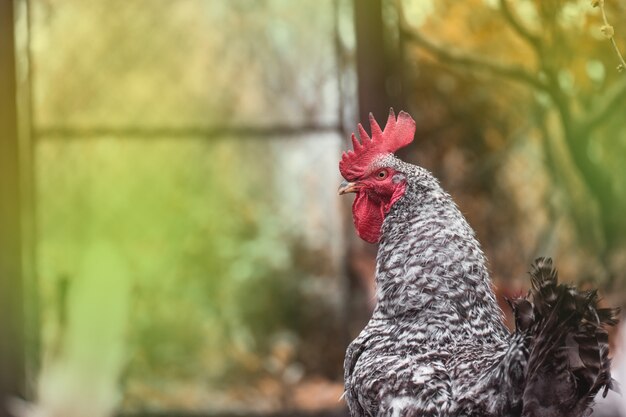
column 436, row 344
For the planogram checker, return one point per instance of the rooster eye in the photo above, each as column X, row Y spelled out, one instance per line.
column 381, row 175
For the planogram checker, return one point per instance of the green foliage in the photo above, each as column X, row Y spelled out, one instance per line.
column 216, row 275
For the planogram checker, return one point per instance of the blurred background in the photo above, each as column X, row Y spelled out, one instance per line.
column 171, row 241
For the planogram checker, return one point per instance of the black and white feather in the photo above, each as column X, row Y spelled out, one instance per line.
column 436, row 344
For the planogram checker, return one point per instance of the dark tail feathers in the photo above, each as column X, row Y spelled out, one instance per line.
column 567, row 342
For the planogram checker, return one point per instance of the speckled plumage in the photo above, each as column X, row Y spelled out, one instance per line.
column 436, row 344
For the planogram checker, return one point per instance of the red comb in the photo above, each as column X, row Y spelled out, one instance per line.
column 397, row 134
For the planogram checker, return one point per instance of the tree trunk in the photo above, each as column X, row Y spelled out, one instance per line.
column 377, row 63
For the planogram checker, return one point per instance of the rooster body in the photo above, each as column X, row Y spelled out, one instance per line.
column 436, row 344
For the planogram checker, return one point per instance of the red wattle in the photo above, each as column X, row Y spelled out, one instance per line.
column 368, row 215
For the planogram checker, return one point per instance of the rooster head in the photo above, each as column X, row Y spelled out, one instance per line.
column 369, row 172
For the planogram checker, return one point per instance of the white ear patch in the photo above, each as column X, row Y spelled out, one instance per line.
column 398, row 177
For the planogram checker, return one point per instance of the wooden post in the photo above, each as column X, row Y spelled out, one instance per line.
column 12, row 357
column 377, row 63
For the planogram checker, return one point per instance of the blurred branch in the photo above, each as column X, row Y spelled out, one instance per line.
column 608, row 104
column 212, row 132
column 473, row 62
column 444, row 54
column 519, row 28
column 608, row 31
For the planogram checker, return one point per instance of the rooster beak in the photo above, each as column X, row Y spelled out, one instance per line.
column 348, row 187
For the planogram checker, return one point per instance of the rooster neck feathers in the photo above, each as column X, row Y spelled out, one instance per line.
column 430, row 263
